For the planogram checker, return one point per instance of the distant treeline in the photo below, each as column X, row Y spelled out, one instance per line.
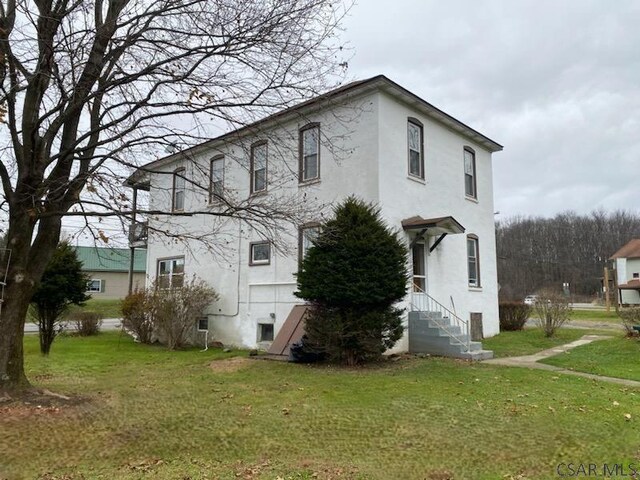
column 536, row 252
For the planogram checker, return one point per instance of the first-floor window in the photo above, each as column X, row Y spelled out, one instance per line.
column 171, row 272
column 473, row 261
column 307, row 234
column 260, row 253
column 94, row 285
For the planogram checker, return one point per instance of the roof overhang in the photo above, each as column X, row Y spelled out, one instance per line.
column 631, row 285
column 432, row 226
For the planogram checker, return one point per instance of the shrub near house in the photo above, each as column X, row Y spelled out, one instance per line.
column 353, row 275
column 170, row 314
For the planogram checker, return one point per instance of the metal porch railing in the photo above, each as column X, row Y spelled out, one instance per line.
column 421, row 301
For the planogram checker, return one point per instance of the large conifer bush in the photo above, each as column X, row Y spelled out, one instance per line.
column 353, row 276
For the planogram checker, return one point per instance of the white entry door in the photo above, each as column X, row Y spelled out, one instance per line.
column 419, row 260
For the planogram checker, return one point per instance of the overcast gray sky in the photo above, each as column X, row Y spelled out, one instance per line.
column 556, row 82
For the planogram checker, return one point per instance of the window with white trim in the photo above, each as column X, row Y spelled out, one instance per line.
column 473, row 261
column 415, row 138
column 310, row 153
column 470, row 173
column 177, row 203
column 216, row 188
column 203, row 324
column 94, row 285
column 259, row 167
column 260, row 253
column 170, row 272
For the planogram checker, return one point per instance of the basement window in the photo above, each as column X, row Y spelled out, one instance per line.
column 265, row 332
column 203, row 324
column 636, row 275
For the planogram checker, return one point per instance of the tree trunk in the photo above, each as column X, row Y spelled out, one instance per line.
column 25, row 269
column 14, row 311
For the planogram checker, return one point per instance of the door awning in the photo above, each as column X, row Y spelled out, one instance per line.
column 432, row 226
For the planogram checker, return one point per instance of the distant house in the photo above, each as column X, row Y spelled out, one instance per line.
column 108, row 270
column 626, row 263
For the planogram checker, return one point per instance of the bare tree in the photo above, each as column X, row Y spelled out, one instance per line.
column 536, row 252
column 552, row 309
column 88, row 88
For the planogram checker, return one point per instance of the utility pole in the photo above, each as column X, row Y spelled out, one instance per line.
column 606, row 289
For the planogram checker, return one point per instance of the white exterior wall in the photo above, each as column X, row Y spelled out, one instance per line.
column 625, row 268
column 251, row 294
column 442, row 194
column 371, row 162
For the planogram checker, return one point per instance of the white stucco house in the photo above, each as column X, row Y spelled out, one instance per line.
column 626, row 265
column 430, row 174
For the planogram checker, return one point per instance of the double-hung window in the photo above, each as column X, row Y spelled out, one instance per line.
column 308, row 233
column 473, row 261
column 177, row 200
column 309, row 153
column 171, row 272
column 415, row 138
column 470, row 173
column 216, row 188
column 259, row 167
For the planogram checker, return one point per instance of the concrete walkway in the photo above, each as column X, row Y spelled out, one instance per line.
column 531, row 361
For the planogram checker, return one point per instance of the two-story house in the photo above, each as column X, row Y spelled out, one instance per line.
column 430, row 174
column 626, row 265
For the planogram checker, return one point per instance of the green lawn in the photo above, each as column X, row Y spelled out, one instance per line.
column 167, row 415
column 532, row 340
column 618, row 357
column 595, row 315
column 109, row 308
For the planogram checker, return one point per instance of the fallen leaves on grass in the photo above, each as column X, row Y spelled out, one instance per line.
column 145, row 465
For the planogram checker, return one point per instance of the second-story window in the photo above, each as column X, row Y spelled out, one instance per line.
column 177, row 203
column 259, row 167
column 216, row 189
column 310, row 153
column 470, row 173
column 416, row 148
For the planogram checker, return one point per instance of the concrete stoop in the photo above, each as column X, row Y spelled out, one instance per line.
column 430, row 332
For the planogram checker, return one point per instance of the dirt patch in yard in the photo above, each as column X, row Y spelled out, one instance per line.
column 229, row 365
column 35, row 402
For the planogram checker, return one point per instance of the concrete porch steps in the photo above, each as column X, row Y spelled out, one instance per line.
column 430, row 332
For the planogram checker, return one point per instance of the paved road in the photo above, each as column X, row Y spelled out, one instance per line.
column 107, row 324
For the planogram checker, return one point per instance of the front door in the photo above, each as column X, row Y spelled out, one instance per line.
column 419, row 268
